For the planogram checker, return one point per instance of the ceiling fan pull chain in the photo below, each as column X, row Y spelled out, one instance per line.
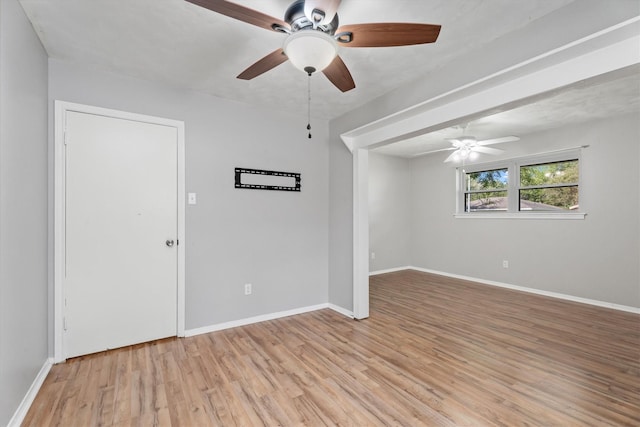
column 309, row 103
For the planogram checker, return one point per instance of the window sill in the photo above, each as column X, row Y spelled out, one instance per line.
column 521, row 215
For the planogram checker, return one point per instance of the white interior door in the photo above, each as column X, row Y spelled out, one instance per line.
column 121, row 204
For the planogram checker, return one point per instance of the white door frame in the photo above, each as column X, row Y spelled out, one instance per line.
column 61, row 108
column 608, row 50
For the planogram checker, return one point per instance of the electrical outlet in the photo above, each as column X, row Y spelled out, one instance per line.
column 373, row 255
column 247, row 289
column 505, row 263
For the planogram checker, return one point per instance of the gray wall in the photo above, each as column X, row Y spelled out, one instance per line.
column 278, row 241
column 340, row 222
column 23, row 207
column 389, row 214
column 595, row 258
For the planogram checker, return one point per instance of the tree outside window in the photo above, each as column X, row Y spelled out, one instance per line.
column 487, row 190
column 542, row 183
column 549, row 186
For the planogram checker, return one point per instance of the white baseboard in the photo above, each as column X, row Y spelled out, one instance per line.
column 24, row 406
column 342, row 310
column 255, row 319
column 533, row 291
column 389, row 270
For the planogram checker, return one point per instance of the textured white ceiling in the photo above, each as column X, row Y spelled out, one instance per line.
column 183, row 45
column 615, row 94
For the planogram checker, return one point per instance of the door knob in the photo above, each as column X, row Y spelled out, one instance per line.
column 169, row 243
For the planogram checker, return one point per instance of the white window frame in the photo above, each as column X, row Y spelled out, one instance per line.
column 513, row 194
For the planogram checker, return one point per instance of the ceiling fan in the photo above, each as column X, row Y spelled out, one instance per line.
column 467, row 147
column 314, row 36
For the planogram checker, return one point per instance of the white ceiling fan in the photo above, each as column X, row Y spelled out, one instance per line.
column 467, row 147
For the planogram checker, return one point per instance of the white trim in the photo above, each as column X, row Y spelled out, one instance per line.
column 389, row 270
column 27, row 401
column 573, row 62
column 61, row 108
column 521, row 215
column 557, row 295
column 342, row 310
column 182, row 234
column 255, row 319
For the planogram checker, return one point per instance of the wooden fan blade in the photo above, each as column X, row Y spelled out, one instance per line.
column 240, row 13
column 338, row 74
column 386, row 34
column 270, row 61
column 487, row 150
column 498, row 140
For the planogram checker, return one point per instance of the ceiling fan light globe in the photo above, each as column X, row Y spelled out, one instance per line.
column 310, row 48
column 464, row 153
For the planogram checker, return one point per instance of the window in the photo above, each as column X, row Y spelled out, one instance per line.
column 549, row 186
column 486, row 190
column 537, row 186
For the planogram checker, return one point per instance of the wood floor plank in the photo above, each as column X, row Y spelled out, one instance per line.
column 436, row 351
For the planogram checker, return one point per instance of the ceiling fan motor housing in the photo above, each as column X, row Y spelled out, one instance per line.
column 466, row 142
column 298, row 20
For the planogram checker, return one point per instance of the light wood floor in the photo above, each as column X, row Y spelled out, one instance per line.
column 435, row 352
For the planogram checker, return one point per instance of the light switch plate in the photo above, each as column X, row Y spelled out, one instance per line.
column 191, row 198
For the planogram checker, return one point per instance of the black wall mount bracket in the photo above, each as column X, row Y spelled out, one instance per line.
column 259, row 179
